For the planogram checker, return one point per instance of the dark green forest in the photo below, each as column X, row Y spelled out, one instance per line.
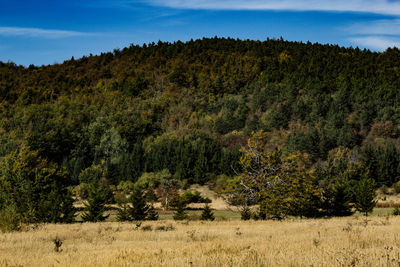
column 189, row 107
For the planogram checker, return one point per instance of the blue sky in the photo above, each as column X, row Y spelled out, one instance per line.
column 46, row 32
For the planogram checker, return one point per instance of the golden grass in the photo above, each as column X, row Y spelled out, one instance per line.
column 321, row 242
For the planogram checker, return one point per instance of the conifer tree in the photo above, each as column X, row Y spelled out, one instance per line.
column 207, row 214
column 180, row 213
column 139, row 208
column 123, row 208
column 364, row 195
column 152, row 214
column 96, row 204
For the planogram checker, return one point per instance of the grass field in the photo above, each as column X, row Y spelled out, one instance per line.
column 315, row 242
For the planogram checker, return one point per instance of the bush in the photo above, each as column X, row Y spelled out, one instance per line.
column 195, row 197
column 396, row 211
column 126, row 187
column 245, row 214
column 10, row 220
column 396, row 187
column 147, row 228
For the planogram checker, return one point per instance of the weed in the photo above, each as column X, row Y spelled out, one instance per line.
column 147, row 228
column 238, row 231
column 57, row 244
column 192, row 235
column 165, row 228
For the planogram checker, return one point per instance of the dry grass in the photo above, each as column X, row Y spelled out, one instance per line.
column 322, row 242
column 388, row 201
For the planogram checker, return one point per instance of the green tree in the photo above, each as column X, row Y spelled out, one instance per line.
column 283, row 185
column 180, row 213
column 167, row 183
column 96, row 202
column 365, row 195
column 139, row 209
column 337, row 198
column 38, row 190
column 207, row 214
column 152, row 214
column 123, row 208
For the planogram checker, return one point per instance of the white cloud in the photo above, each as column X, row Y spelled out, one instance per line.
column 379, row 43
column 36, row 32
column 388, row 7
column 378, row 27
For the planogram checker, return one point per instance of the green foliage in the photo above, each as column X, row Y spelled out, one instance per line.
column 337, row 198
column 152, row 214
column 126, row 186
column 396, row 187
column 37, row 190
column 123, row 213
column 188, row 107
column 364, row 194
column 245, row 214
column 10, row 220
column 180, row 213
column 396, row 211
column 139, row 209
column 207, row 214
column 194, row 197
column 281, row 185
column 98, row 197
column 135, row 208
column 92, row 174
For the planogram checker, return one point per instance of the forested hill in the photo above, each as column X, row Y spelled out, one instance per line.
column 188, row 107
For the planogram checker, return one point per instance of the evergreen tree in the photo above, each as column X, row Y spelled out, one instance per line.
column 35, row 188
column 123, row 212
column 96, row 204
column 180, row 213
column 123, row 207
column 364, row 195
column 139, row 210
column 337, row 199
column 207, row 214
column 152, row 214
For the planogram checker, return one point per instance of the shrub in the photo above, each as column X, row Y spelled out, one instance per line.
column 152, row 214
column 147, row 228
column 245, row 214
column 126, row 187
column 396, row 187
column 10, row 220
column 165, row 228
column 396, row 211
column 190, row 197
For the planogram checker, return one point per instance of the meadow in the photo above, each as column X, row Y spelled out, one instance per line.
column 349, row 241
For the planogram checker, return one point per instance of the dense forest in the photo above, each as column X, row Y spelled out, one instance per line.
column 189, row 108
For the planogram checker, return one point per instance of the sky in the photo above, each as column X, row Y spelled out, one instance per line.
column 42, row 32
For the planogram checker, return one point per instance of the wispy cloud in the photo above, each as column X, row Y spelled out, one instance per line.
column 378, row 27
column 388, row 7
column 379, row 43
column 377, row 35
column 42, row 33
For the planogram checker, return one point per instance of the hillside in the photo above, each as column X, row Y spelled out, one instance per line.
column 188, row 107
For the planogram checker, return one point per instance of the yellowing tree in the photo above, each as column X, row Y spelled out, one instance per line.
column 280, row 185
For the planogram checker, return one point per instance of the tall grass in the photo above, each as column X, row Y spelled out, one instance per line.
column 323, row 242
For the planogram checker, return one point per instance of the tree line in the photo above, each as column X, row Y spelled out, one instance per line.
column 190, row 107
